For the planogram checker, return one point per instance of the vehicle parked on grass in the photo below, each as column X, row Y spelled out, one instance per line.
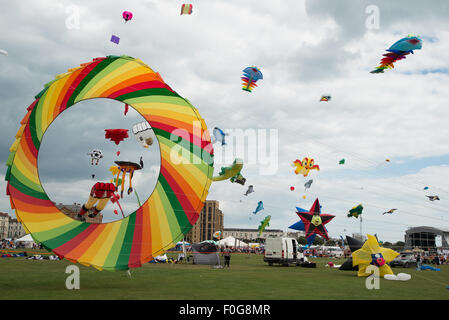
column 405, row 259
column 284, row 251
column 335, row 252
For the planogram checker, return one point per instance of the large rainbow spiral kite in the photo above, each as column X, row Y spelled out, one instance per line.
column 181, row 189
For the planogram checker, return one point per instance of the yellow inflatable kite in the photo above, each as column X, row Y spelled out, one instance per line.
column 372, row 253
column 305, row 166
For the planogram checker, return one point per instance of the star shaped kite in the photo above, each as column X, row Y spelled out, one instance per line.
column 372, row 253
column 314, row 221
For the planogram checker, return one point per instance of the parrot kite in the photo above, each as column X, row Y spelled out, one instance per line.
column 398, row 51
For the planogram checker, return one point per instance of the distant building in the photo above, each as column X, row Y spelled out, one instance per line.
column 15, row 230
column 424, row 238
column 209, row 221
column 4, row 225
column 253, row 234
column 10, row 228
column 72, row 210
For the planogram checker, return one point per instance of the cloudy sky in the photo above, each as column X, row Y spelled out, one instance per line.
column 304, row 49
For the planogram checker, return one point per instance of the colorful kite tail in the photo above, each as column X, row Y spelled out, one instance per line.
column 248, row 84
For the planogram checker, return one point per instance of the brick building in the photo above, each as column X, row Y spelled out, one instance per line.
column 209, row 221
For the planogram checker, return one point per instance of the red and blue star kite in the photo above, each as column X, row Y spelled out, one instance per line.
column 314, row 221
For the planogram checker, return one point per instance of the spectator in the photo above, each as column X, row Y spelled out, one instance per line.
column 227, row 256
column 436, row 260
column 418, row 261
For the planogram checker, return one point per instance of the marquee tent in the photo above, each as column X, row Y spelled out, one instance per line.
column 232, row 242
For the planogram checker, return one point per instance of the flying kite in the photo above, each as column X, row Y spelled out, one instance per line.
column 115, row 39
column 238, row 179
column 95, row 156
column 115, row 199
column 389, row 211
column 231, row 172
column 250, row 190
column 259, row 207
column 219, row 135
column 99, row 195
column 115, row 170
column 355, row 211
column 325, row 98
column 373, row 254
column 263, row 224
column 3, row 52
column 300, row 227
column 342, row 161
column 305, row 166
column 292, row 188
column 342, row 241
column 398, row 51
column 314, row 221
column 433, row 198
column 250, row 77
column 186, row 9
column 216, row 235
column 425, row 188
column 308, row 184
column 127, row 15
column 116, row 135
column 143, row 134
column 127, row 167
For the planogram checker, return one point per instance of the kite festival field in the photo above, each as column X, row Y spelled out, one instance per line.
column 249, row 278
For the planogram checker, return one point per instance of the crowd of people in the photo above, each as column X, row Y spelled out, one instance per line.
column 436, row 259
column 11, row 244
column 245, row 250
column 7, row 244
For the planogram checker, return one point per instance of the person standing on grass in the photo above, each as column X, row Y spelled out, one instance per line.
column 418, row 261
column 227, row 256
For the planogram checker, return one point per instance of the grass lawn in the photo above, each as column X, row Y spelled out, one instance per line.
column 249, row 278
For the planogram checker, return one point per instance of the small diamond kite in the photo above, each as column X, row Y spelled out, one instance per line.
column 115, row 39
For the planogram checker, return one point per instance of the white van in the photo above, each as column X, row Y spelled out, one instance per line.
column 284, row 251
column 336, row 252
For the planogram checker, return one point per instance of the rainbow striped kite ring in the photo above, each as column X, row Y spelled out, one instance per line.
column 181, row 189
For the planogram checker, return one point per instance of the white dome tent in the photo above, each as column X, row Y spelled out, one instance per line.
column 27, row 240
column 232, row 242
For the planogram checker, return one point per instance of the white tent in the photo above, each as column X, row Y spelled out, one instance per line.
column 232, row 242
column 27, row 240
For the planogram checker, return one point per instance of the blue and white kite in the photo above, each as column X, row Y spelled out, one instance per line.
column 219, row 135
column 259, row 207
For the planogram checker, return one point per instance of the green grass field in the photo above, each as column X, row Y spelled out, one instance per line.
column 248, row 278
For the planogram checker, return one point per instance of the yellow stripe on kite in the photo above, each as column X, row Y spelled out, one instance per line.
column 99, row 250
